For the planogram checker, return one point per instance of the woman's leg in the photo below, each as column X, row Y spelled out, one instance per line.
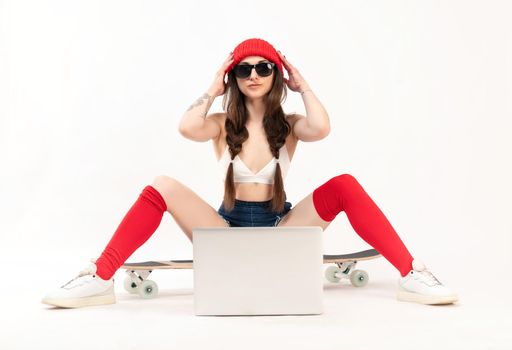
column 95, row 285
column 344, row 193
column 145, row 215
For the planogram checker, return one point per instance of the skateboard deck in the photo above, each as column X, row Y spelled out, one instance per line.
column 138, row 272
column 157, row 265
column 188, row 264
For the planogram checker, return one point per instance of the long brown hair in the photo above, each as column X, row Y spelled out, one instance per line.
column 276, row 128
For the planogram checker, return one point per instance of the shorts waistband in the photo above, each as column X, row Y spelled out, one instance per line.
column 252, row 203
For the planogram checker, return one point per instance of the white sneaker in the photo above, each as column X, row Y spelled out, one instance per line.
column 420, row 286
column 87, row 289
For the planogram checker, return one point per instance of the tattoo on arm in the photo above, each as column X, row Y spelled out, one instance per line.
column 204, row 98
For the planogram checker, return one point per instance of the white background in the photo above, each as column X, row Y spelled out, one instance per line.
column 418, row 93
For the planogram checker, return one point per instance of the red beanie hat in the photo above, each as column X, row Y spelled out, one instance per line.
column 255, row 47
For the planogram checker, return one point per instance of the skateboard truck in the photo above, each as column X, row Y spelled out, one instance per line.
column 137, row 282
column 358, row 278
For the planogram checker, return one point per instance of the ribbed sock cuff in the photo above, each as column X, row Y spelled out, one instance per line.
column 154, row 197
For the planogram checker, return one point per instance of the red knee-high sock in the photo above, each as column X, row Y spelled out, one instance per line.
column 344, row 193
column 137, row 226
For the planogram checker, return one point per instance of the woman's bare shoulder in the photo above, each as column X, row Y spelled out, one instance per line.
column 292, row 118
column 219, row 143
column 217, row 117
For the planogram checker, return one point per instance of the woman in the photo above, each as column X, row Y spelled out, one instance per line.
column 254, row 141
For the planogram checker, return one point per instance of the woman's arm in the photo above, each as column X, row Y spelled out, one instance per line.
column 315, row 126
column 316, row 115
column 195, row 124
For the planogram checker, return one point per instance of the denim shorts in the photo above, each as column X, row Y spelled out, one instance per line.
column 253, row 214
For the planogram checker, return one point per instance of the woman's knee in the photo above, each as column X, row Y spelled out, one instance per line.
column 341, row 181
column 164, row 185
column 344, row 178
column 348, row 184
column 338, row 185
column 330, row 198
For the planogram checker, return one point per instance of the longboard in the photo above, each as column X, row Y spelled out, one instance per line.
column 137, row 280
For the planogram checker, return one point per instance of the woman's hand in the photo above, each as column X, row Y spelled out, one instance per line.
column 295, row 81
column 218, row 86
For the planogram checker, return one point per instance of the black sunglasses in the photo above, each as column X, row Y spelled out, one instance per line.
column 264, row 69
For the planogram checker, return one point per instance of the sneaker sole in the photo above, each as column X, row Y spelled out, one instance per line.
column 81, row 302
column 426, row 299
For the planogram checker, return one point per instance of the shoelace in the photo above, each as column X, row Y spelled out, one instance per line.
column 89, row 270
column 430, row 277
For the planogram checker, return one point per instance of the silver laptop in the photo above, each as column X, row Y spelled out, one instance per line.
column 258, row 270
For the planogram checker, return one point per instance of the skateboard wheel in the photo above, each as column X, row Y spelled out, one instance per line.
column 359, row 278
column 130, row 286
column 148, row 289
column 332, row 273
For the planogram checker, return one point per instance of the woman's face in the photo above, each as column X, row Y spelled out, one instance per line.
column 255, row 86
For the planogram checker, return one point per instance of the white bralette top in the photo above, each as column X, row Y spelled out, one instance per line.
column 242, row 173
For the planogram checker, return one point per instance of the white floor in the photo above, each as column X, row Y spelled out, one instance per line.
column 354, row 318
